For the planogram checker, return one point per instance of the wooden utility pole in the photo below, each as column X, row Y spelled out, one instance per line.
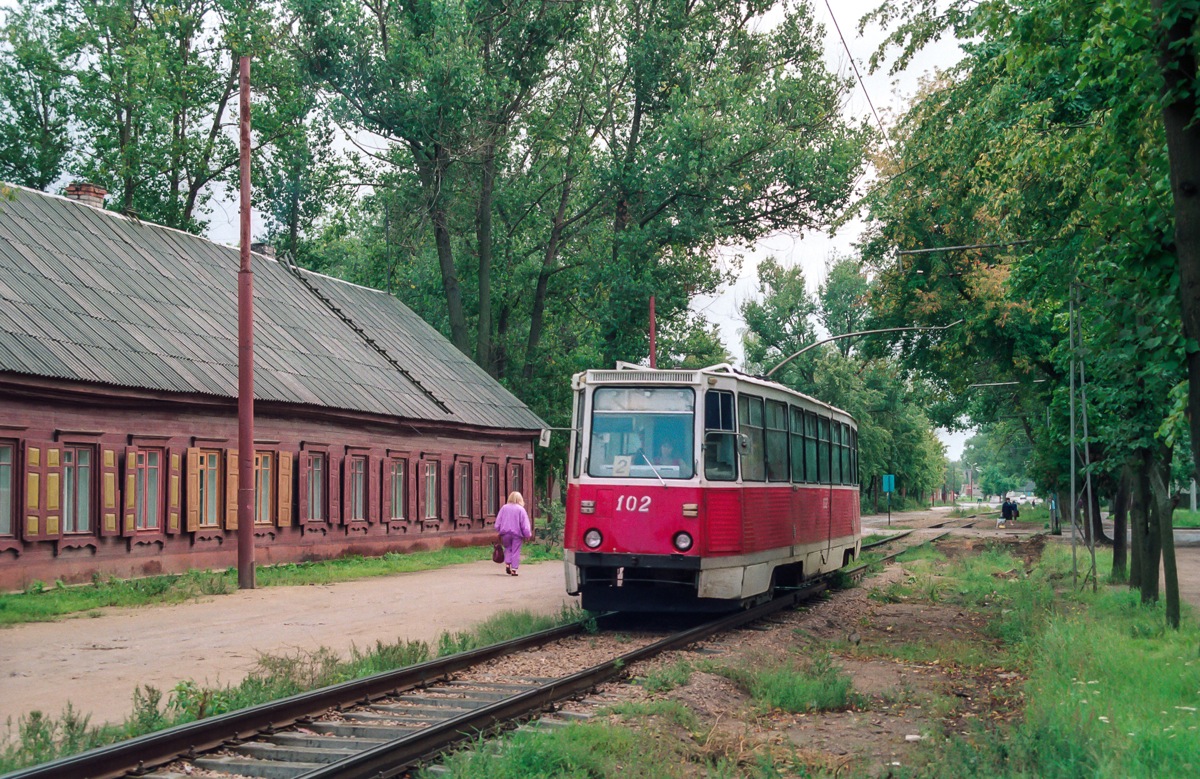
column 245, row 505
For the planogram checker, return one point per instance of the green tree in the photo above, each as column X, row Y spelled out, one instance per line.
column 1047, row 146
column 844, row 304
column 34, row 89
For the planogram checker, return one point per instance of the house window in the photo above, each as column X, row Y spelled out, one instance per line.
column 77, row 489
column 148, row 489
column 316, row 486
column 211, row 495
column 399, row 475
column 515, row 475
column 358, row 488
column 491, row 489
column 264, row 472
column 464, row 490
column 432, row 495
column 6, row 489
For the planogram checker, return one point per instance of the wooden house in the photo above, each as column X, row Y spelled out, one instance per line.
column 118, row 408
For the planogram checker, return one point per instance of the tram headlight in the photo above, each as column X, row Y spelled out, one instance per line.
column 682, row 541
column 592, row 539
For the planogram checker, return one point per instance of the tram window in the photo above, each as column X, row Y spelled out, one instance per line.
column 642, row 433
column 578, row 434
column 846, row 469
column 797, row 444
column 777, row 441
column 811, row 472
column 854, row 457
column 750, row 419
column 823, row 450
column 720, row 440
column 835, row 460
column 718, row 410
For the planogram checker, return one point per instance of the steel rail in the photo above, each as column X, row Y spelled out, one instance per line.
column 887, row 540
column 146, row 752
column 399, row 756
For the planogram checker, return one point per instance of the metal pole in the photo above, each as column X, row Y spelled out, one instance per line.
column 1087, row 457
column 653, row 344
column 1071, row 508
column 245, row 534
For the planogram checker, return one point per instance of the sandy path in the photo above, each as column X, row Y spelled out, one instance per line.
column 96, row 662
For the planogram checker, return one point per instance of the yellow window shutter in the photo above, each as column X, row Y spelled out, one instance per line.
column 231, row 489
column 33, row 492
column 109, row 498
column 130, row 526
column 284, row 518
column 173, row 490
column 192, row 495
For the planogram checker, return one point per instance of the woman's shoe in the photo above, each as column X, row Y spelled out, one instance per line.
column 514, row 573
column 508, row 570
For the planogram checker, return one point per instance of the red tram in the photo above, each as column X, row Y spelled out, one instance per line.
column 703, row 490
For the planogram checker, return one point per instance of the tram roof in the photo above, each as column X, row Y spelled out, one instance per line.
column 632, row 373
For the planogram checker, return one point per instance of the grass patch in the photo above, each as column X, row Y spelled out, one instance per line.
column 921, row 552
column 508, row 625
column 583, row 751
column 667, row 678
column 1111, row 692
column 1186, row 518
column 39, row 738
column 670, row 711
column 793, row 684
column 41, row 603
column 963, row 653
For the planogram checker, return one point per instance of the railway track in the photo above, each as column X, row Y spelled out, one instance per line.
column 382, row 726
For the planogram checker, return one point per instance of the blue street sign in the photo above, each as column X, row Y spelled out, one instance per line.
column 889, row 482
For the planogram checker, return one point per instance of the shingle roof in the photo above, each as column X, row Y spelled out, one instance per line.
column 93, row 296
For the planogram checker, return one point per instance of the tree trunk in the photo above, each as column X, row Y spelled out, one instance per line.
column 1137, row 524
column 1120, row 517
column 1163, row 507
column 433, row 175
column 1097, row 529
column 549, row 260
column 483, row 238
column 1178, row 61
column 1151, row 539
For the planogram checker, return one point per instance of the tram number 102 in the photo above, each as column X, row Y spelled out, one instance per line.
column 638, row 503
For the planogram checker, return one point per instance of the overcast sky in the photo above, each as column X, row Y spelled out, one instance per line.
column 890, row 95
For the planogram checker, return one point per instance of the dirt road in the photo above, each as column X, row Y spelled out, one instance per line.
column 96, row 662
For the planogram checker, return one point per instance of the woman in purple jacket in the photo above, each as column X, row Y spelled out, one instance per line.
column 512, row 523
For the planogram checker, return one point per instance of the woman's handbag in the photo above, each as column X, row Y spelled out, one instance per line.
column 497, row 553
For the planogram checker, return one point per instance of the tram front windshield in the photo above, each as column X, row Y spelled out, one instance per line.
column 642, row 433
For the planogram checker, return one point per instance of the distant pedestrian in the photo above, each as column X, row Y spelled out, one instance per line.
column 512, row 523
column 1006, row 512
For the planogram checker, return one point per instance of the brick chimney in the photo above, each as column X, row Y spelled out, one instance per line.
column 265, row 249
column 88, row 194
